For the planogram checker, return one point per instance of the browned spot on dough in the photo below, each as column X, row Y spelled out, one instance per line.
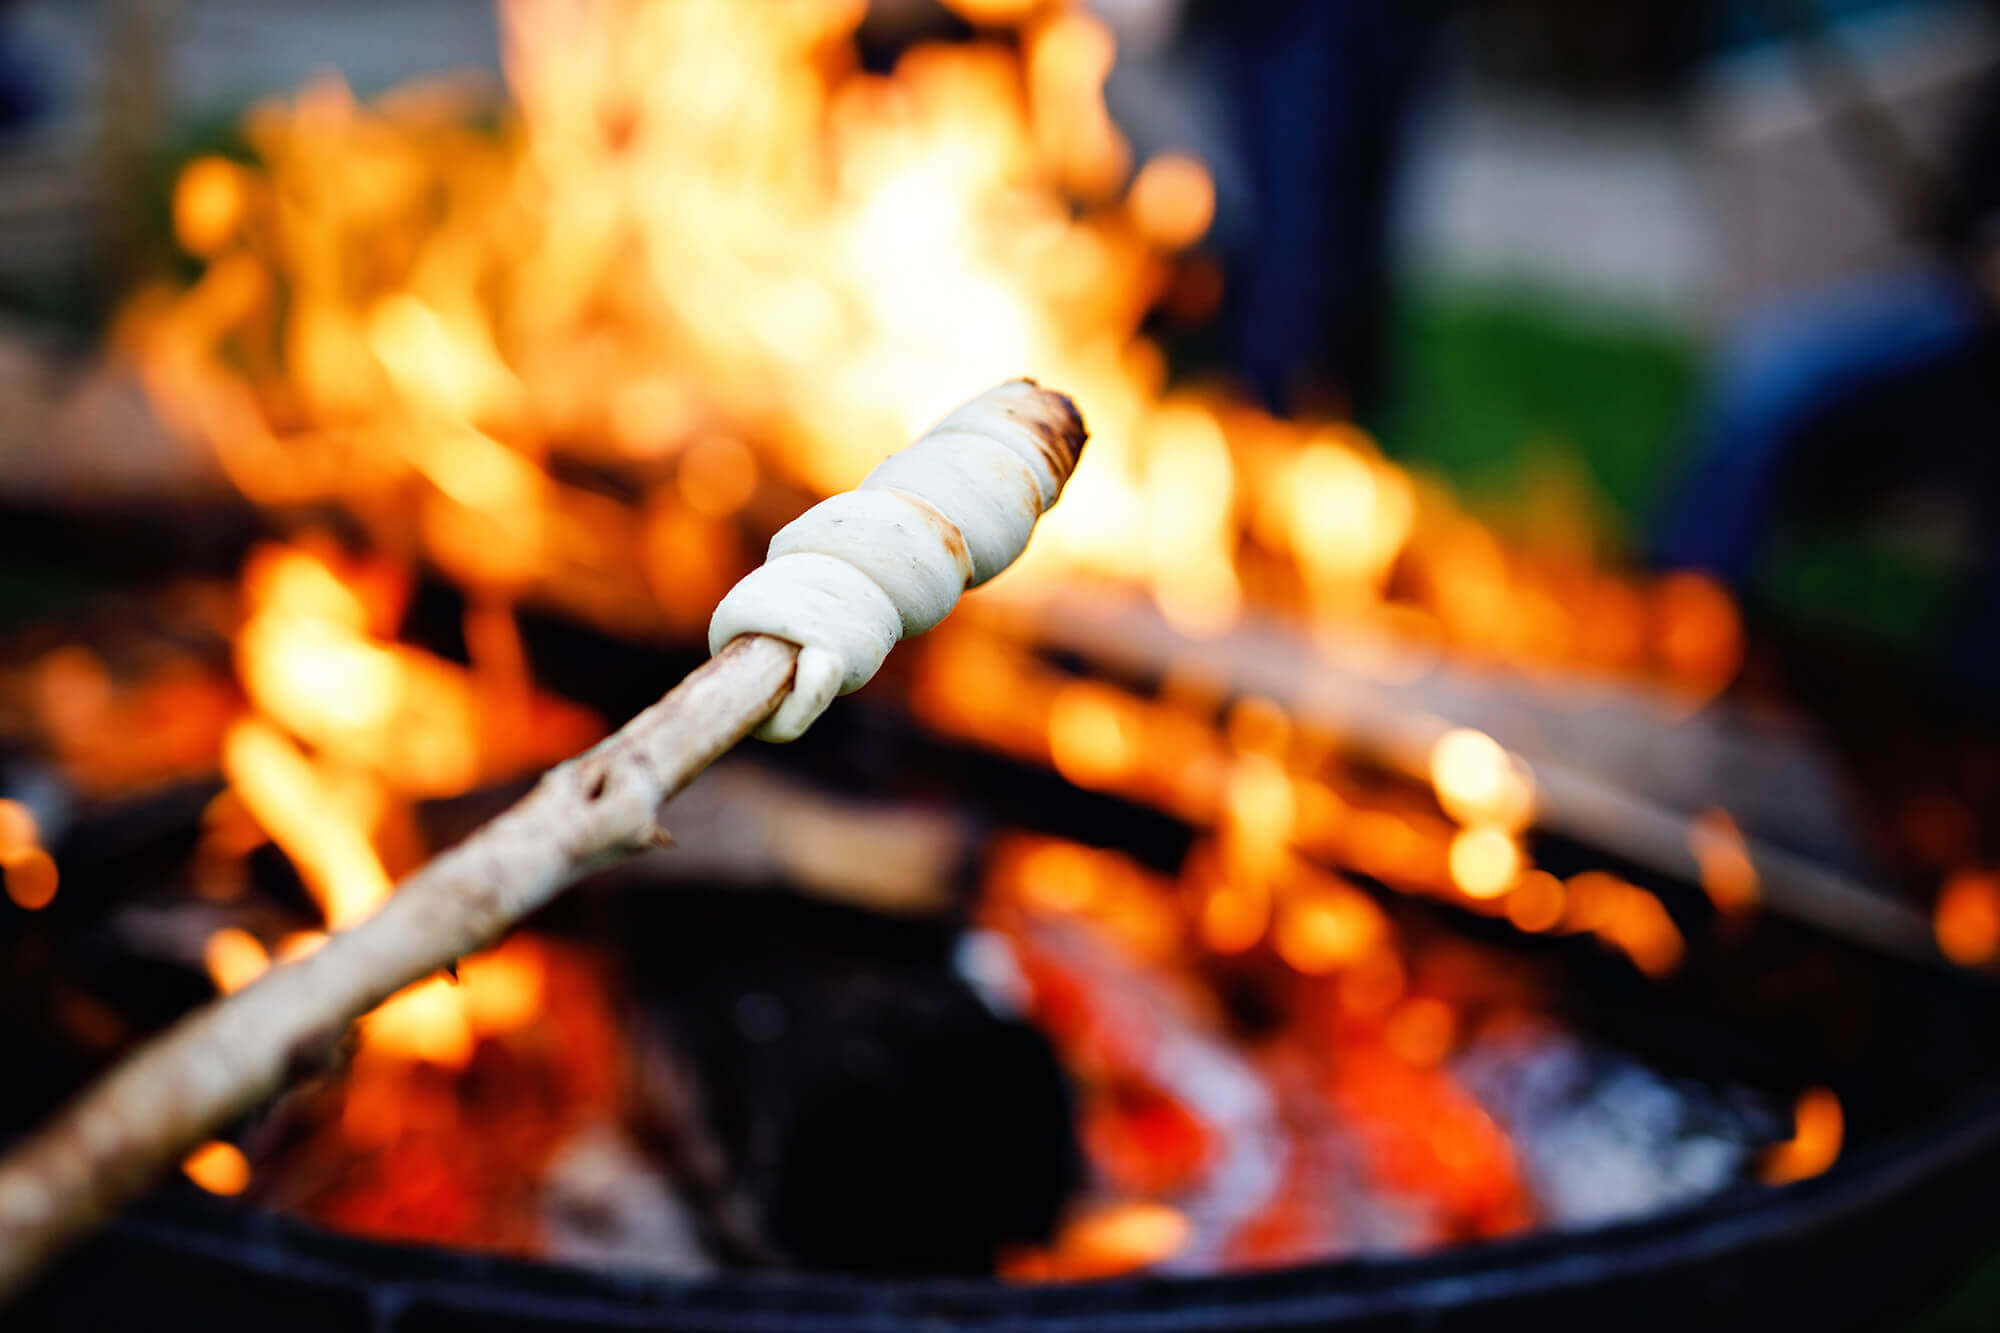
column 947, row 531
column 1056, row 426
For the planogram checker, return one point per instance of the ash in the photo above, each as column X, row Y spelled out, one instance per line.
column 1604, row 1139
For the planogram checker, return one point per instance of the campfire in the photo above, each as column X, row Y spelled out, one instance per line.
column 1234, row 809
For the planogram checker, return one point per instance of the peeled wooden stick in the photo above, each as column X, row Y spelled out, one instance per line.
column 950, row 511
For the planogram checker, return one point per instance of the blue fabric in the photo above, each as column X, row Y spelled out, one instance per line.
column 1783, row 377
column 1320, row 93
column 24, row 88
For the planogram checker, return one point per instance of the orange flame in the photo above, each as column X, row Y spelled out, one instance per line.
column 702, row 267
column 29, row 872
column 1967, row 918
column 702, row 229
column 1727, row 873
column 1815, row 1142
column 1105, row 1241
column 234, row 958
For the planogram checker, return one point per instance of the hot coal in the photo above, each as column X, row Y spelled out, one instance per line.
column 847, row 1103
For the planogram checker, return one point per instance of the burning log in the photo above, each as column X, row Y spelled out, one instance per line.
column 845, row 583
column 1598, row 764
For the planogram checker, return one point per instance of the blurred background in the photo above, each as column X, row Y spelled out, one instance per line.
column 1517, row 661
column 1632, row 261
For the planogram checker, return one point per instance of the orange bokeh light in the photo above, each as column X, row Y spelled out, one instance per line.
column 1326, row 928
column 1484, row 862
column 1478, row 782
column 1536, row 902
column 1090, row 741
column 1727, row 872
column 718, row 475
column 1105, row 1241
column 1699, row 631
column 1421, row 1031
column 1818, row 1128
column 18, row 830
column 234, row 958
column 1967, row 918
column 209, row 204
column 218, row 1167
column 31, row 877
column 1173, row 200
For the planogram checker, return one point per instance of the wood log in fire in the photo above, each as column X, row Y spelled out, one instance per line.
column 1610, row 763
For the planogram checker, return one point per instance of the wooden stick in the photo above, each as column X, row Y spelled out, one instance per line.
column 225, row 1059
column 846, row 581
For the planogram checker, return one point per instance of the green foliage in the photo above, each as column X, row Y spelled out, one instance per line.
column 1488, row 376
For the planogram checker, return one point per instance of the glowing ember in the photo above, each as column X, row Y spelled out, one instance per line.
column 219, row 1168
column 31, row 878
column 1726, row 871
column 1421, row 1031
column 1106, row 1241
column 1627, row 916
column 18, row 831
column 1425, row 1135
column 1536, row 903
column 426, row 1150
column 1372, row 989
column 1967, row 918
column 1322, row 929
column 1815, row 1142
column 28, row 872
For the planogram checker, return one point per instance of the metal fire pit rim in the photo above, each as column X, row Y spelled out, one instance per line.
column 1462, row 1278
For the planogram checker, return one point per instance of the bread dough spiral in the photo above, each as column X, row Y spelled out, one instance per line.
column 857, row 572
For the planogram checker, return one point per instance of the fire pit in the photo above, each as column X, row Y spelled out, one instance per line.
column 1827, row 1251
column 1282, row 903
column 1905, row 1044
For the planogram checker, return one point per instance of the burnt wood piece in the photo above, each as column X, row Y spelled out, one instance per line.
column 872, row 1114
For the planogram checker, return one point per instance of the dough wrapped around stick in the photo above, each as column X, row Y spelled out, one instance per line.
column 856, row 573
